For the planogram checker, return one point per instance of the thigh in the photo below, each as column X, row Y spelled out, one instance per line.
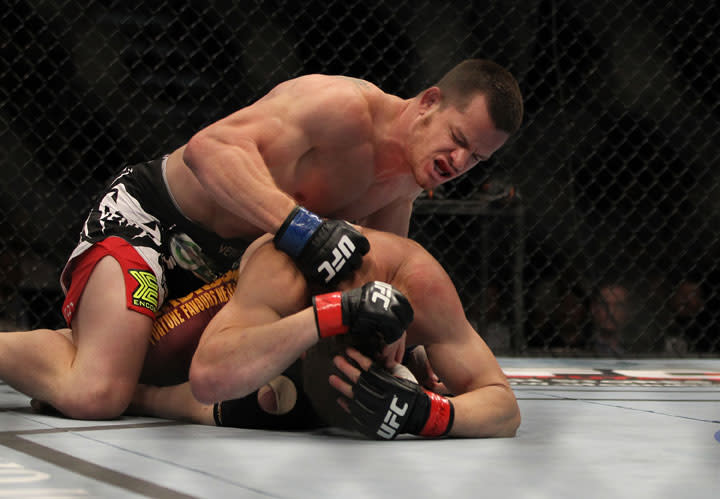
column 111, row 340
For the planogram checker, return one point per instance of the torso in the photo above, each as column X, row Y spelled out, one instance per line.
column 348, row 172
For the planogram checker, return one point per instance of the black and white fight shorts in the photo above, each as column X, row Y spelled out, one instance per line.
column 137, row 222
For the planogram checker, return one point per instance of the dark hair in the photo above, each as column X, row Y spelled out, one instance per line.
column 481, row 76
column 317, row 366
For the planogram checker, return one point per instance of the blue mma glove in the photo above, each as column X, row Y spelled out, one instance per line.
column 325, row 251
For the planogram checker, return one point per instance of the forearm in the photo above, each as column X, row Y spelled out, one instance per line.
column 237, row 177
column 238, row 361
column 491, row 411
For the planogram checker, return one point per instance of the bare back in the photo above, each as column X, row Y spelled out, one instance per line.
column 324, row 141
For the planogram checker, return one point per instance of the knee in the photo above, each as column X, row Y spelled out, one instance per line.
column 98, row 400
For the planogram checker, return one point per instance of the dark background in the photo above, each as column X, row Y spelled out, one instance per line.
column 616, row 164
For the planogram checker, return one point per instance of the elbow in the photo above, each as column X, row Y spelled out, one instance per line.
column 512, row 419
column 204, row 384
column 210, row 383
column 197, row 148
column 513, row 423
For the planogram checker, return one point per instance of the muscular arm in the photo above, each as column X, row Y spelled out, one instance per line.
column 249, row 161
column 257, row 334
column 485, row 405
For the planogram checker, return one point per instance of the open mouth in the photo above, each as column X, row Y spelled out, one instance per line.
column 442, row 169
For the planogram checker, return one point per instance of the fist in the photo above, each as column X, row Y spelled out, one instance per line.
column 325, row 251
column 377, row 307
column 374, row 309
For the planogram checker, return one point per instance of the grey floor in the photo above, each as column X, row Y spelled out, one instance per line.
column 591, row 429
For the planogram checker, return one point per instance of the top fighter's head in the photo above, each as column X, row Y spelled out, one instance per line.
column 462, row 120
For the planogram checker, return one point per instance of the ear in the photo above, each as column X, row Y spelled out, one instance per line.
column 429, row 98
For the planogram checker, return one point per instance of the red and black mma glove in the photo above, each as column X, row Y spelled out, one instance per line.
column 384, row 406
column 374, row 308
column 325, row 251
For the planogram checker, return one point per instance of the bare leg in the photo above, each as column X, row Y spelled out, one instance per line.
column 178, row 402
column 94, row 376
column 170, row 402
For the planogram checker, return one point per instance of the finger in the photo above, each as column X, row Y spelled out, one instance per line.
column 345, row 367
column 363, row 362
column 343, row 403
column 441, row 389
column 341, row 386
column 402, row 344
column 394, row 352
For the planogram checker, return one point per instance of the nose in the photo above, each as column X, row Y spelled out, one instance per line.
column 460, row 158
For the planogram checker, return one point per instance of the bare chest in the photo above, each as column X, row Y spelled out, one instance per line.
column 347, row 184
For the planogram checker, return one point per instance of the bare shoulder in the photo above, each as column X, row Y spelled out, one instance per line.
column 329, row 86
column 439, row 313
column 338, row 97
column 412, row 268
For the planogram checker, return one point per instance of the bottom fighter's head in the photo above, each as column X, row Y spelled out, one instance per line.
column 317, row 366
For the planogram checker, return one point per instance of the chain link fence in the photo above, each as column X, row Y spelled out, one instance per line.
column 592, row 232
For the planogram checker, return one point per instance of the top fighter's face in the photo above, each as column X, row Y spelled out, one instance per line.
column 447, row 142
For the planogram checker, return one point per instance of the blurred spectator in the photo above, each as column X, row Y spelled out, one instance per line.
column 611, row 314
column 488, row 317
column 558, row 317
column 9, row 295
column 571, row 319
column 689, row 329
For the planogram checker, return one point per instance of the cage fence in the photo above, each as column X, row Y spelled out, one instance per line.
column 592, row 232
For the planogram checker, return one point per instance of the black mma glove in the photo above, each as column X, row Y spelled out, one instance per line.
column 383, row 406
column 325, row 251
column 374, row 308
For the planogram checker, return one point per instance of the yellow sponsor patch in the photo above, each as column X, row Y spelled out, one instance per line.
column 176, row 312
column 146, row 293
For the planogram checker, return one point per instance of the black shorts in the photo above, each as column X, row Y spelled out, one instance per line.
column 138, row 208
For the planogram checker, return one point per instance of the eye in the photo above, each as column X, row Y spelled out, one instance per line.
column 458, row 140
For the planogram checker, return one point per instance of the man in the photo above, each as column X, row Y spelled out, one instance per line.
column 273, row 318
column 335, row 146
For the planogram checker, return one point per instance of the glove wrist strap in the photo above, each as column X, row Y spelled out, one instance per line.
column 328, row 314
column 296, row 230
column 441, row 417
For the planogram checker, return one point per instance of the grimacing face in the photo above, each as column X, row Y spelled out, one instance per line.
column 447, row 142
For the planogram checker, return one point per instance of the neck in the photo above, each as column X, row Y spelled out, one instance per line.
column 391, row 140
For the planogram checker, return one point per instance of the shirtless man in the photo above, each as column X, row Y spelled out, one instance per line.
column 335, row 146
column 269, row 322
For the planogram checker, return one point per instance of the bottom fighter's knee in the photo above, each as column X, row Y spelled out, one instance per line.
column 100, row 400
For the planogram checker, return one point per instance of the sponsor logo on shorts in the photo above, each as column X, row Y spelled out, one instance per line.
column 146, row 293
column 68, row 311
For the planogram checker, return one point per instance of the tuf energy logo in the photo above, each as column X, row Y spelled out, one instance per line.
column 341, row 253
column 389, row 428
column 146, row 293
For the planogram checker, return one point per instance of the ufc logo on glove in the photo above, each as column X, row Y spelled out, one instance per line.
column 390, row 426
column 381, row 291
column 325, row 251
column 341, row 253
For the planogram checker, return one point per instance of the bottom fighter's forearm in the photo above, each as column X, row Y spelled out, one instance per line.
column 237, row 362
column 490, row 411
